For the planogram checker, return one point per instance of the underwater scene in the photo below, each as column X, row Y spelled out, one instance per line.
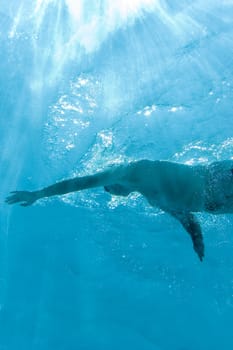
column 84, row 85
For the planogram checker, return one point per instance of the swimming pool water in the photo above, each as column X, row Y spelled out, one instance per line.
column 82, row 85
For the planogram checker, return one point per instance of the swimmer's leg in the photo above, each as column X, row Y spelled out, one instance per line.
column 192, row 226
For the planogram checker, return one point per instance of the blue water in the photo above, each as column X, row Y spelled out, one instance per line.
column 84, row 84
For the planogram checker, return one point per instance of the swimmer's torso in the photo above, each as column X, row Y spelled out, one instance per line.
column 171, row 186
column 176, row 187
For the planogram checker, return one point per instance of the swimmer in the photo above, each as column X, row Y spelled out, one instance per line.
column 178, row 189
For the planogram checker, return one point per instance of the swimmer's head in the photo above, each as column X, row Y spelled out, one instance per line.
column 117, row 190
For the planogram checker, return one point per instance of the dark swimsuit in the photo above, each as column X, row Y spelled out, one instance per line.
column 210, row 204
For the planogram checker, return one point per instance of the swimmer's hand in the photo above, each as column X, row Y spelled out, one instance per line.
column 27, row 198
column 199, row 247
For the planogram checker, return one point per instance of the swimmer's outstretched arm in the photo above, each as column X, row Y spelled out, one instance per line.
column 71, row 185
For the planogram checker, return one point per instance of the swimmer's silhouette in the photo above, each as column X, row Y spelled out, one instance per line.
column 178, row 189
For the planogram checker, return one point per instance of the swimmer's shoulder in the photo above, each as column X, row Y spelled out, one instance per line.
column 221, row 166
column 136, row 171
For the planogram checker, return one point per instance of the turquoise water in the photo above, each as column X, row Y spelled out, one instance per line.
column 84, row 84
